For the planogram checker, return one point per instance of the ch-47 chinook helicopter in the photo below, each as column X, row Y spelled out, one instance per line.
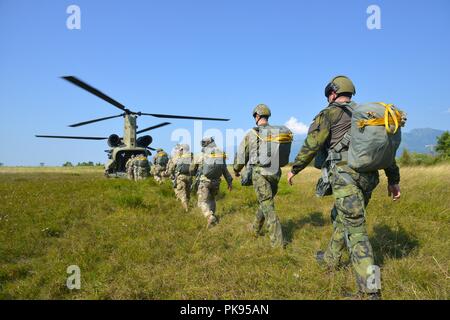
column 122, row 148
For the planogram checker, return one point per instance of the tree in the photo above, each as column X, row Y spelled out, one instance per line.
column 1, row 164
column 85, row 164
column 405, row 158
column 443, row 145
column 68, row 164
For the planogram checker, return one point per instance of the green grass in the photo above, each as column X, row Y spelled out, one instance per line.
column 133, row 240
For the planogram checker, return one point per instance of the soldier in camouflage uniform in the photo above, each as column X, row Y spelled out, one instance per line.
column 265, row 181
column 352, row 190
column 208, row 187
column 182, row 179
column 170, row 168
column 141, row 167
column 159, row 165
column 129, row 167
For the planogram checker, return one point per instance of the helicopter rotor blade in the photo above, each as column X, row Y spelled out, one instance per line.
column 153, row 127
column 95, row 120
column 153, row 149
column 171, row 116
column 71, row 137
column 98, row 93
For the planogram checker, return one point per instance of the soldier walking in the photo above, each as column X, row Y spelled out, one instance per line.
column 352, row 190
column 208, row 167
column 178, row 169
column 159, row 167
column 266, row 172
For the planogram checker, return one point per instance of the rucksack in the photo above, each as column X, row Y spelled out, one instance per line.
column 213, row 162
column 162, row 158
column 184, row 163
column 273, row 145
column 374, row 137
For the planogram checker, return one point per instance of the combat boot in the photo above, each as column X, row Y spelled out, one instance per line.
column 363, row 296
column 212, row 221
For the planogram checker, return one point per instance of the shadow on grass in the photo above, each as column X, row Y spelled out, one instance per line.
column 315, row 219
column 391, row 243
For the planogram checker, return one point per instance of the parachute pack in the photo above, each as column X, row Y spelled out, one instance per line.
column 274, row 144
column 184, row 163
column 213, row 163
column 374, row 136
column 162, row 158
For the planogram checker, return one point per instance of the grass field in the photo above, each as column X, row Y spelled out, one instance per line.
column 133, row 241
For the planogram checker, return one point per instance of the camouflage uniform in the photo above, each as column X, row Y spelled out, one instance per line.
column 209, row 188
column 129, row 168
column 141, row 167
column 351, row 190
column 182, row 181
column 158, row 170
column 265, row 183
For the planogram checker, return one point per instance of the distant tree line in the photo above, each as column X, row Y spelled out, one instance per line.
column 82, row 164
column 442, row 153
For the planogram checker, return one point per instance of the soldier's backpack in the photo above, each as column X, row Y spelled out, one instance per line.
column 162, row 158
column 141, row 161
column 213, row 162
column 374, row 137
column 183, row 163
column 274, row 145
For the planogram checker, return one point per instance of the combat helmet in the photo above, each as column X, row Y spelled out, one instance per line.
column 206, row 141
column 261, row 110
column 184, row 148
column 340, row 85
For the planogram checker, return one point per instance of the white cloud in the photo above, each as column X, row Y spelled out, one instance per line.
column 296, row 126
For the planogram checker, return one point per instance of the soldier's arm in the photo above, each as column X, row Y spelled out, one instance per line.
column 393, row 174
column 226, row 174
column 194, row 165
column 171, row 167
column 242, row 156
column 318, row 134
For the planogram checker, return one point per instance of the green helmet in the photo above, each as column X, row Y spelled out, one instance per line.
column 159, row 150
column 261, row 110
column 340, row 84
column 206, row 141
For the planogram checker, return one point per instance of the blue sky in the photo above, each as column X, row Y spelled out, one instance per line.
column 209, row 58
